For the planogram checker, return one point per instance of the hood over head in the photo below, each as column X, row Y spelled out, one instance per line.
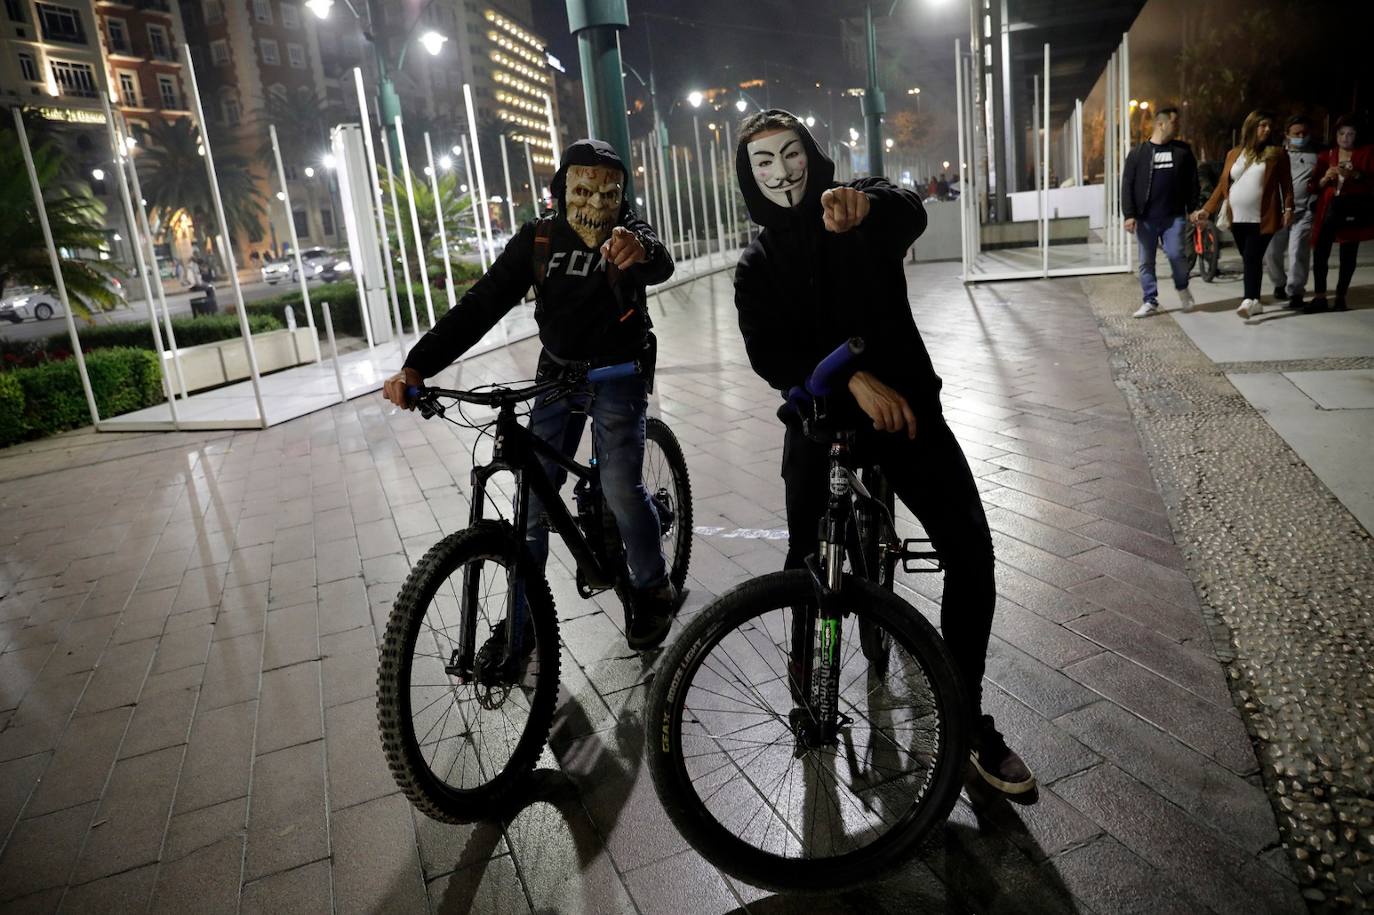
column 589, row 188
column 820, row 170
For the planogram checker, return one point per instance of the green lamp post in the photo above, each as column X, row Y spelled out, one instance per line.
column 597, row 25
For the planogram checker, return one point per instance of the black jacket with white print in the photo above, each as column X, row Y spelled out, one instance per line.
column 581, row 318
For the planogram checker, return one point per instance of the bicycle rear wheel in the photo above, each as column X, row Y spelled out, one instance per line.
column 665, row 477
column 1211, row 253
column 459, row 743
column 780, row 812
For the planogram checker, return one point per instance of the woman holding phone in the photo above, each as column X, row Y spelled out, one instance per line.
column 1343, row 185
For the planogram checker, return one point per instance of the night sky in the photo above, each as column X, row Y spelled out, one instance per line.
column 726, row 42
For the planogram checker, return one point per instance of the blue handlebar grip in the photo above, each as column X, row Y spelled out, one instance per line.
column 612, row 372
column 835, row 367
column 412, row 393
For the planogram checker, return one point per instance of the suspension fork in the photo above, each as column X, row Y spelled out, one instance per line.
column 822, row 645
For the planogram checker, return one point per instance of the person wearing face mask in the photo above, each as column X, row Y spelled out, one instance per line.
column 825, row 267
column 1256, row 188
column 589, row 264
column 1158, row 185
column 1290, row 250
column 1344, row 211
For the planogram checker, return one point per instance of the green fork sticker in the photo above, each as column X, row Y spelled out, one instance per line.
column 830, row 635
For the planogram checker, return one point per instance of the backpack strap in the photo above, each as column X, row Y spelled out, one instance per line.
column 543, row 233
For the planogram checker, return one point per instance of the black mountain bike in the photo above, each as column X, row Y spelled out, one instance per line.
column 808, row 729
column 464, row 700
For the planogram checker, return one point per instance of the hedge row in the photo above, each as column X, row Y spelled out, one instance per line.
column 343, row 305
column 136, row 334
column 46, row 399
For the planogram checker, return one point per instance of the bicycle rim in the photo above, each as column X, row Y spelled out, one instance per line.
column 665, row 479
column 772, row 810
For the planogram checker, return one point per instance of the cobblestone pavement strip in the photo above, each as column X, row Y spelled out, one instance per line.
column 188, row 630
column 1286, row 575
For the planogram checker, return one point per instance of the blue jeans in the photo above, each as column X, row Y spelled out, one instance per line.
column 1149, row 234
column 617, row 409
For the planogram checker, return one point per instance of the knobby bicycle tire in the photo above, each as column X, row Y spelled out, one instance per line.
column 430, row 795
column 711, row 839
column 657, row 431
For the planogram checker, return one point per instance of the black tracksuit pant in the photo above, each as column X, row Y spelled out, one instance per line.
column 932, row 478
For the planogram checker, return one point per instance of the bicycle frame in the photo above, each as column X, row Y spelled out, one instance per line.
column 517, row 451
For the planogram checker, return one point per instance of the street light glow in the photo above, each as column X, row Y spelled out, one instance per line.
column 694, row 98
column 889, row 142
column 1145, row 106
column 281, row 195
column 433, row 42
column 1135, row 104
column 711, row 126
column 457, row 150
column 810, row 121
column 319, row 7
column 117, row 237
column 914, row 90
column 445, row 163
column 946, row 163
column 428, row 171
column 98, row 174
column 853, row 134
column 329, row 161
column 741, row 105
column 130, row 142
column 310, row 171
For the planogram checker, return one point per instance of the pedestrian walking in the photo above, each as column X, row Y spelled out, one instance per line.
column 1290, row 250
column 1255, row 199
column 1158, row 186
column 1343, row 186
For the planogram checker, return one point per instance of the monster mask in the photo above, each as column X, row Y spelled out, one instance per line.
column 593, row 200
column 778, row 159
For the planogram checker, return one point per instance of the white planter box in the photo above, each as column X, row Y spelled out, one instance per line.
column 211, row 364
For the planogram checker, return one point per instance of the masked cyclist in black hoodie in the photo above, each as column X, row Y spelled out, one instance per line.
column 826, row 267
column 589, row 264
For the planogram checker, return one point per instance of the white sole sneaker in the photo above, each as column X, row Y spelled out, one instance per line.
column 1246, row 307
column 1185, row 299
column 1146, row 309
column 999, row 784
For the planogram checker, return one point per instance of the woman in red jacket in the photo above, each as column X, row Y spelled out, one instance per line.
column 1343, row 179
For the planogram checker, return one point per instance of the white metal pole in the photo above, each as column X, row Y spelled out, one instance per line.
column 646, row 186
column 477, row 159
column 117, row 146
column 1108, row 211
column 667, row 211
column 553, row 131
column 400, row 236
column 359, row 269
column 334, row 348
column 415, row 222
column 225, row 240
column 1126, row 129
column 715, row 197
column 472, row 195
column 510, row 195
column 1045, row 165
column 439, row 215
column 678, row 193
column 142, row 211
column 727, row 157
column 701, row 182
column 534, row 185
column 959, row 106
column 1076, row 149
column 56, row 263
column 377, row 201
column 691, row 208
column 295, row 242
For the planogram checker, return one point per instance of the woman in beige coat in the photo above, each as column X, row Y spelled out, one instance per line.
column 1256, row 188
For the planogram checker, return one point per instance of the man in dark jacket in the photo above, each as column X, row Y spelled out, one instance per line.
column 827, row 266
column 589, row 264
column 1159, row 187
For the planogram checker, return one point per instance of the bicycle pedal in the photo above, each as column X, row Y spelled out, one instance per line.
column 913, row 554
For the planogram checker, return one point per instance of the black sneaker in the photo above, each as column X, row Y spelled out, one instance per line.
column 1339, row 304
column 493, row 665
column 651, row 616
column 1296, row 302
column 1280, row 293
column 999, row 766
column 1317, row 304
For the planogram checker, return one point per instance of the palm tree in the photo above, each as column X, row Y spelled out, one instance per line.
column 303, row 121
column 175, row 182
column 76, row 220
column 458, row 215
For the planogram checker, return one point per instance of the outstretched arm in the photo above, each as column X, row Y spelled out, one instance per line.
column 497, row 292
column 657, row 265
column 896, row 217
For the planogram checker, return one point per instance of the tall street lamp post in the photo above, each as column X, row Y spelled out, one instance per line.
column 597, row 25
column 388, row 102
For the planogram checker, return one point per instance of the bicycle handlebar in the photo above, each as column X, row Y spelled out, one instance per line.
column 498, row 397
column 829, row 374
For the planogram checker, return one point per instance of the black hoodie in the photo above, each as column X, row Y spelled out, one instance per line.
column 578, row 313
column 801, row 291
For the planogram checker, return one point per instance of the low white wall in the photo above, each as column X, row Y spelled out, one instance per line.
column 1089, row 200
column 940, row 241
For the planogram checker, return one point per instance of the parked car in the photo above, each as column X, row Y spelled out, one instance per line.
column 321, row 264
column 274, row 272
column 41, row 304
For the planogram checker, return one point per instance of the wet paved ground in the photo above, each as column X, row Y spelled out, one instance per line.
column 189, row 625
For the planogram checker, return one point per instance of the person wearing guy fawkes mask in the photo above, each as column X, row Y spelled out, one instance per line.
column 589, row 263
column 827, row 266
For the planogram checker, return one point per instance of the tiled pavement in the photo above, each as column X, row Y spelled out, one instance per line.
column 189, row 625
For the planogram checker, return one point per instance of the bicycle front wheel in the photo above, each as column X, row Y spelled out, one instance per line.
column 665, row 477
column 760, row 798
column 463, row 718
